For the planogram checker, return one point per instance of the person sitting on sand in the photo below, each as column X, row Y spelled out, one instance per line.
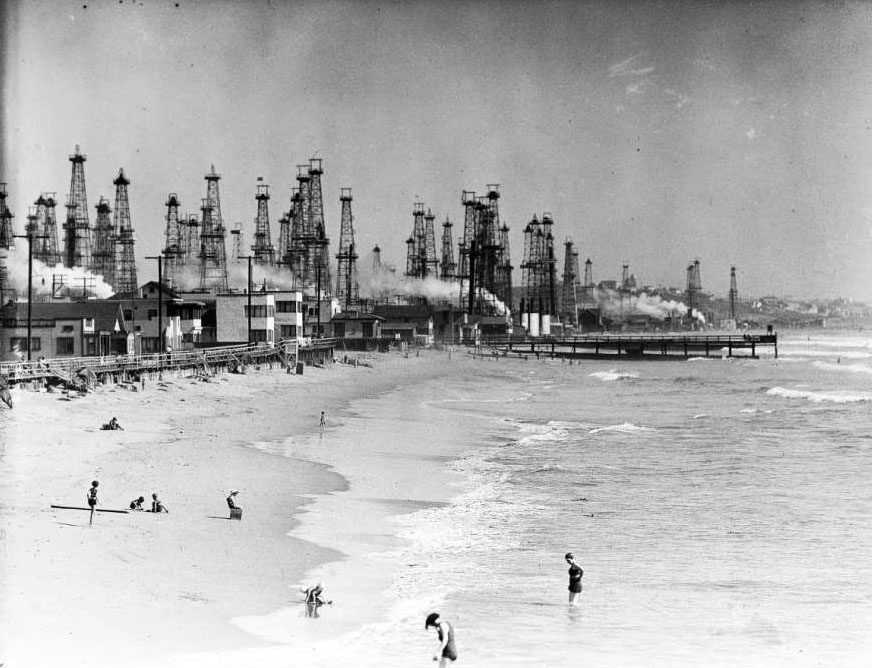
column 314, row 599
column 113, row 424
column 231, row 501
column 156, row 505
column 136, row 504
column 446, row 652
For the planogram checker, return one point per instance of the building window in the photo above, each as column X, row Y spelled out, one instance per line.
column 286, row 307
column 19, row 343
column 288, row 331
column 257, row 311
column 128, row 314
column 66, row 345
column 66, row 329
column 152, row 313
column 259, row 335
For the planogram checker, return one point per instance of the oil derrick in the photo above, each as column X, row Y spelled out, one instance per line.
column 376, row 260
column 416, row 252
column 6, row 244
column 39, row 244
column 174, row 248
column 467, row 198
column 569, row 296
column 296, row 255
column 264, row 251
column 503, row 284
column 431, row 264
column 284, row 241
column 237, row 244
column 449, row 266
column 347, row 286
column 319, row 246
column 213, row 251
column 694, row 287
column 50, row 254
column 125, row 272
column 538, row 276
column 487, row 226
column 104, row 243
column 734, row 293
column 587, row 288
column 77, row 240
column 192, row 244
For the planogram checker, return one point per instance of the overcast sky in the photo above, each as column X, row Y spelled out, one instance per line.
column 654, row 133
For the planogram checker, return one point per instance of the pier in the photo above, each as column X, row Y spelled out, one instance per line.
column 639, row 346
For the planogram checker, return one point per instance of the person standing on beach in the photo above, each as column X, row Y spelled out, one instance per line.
column 323, row 419
column 92, row 499
column 575, row 573
column 447, row 651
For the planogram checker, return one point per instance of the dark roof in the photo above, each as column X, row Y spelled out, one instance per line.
column 104, row 313
column 393, row 311
column 356, row 316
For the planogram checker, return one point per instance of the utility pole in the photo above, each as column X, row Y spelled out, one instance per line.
column 30, row 237
column 249, row 258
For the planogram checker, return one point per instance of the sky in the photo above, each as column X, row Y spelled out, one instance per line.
column 654, row 133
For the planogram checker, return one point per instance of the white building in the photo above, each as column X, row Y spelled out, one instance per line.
column 232, row 321
column 289, row 314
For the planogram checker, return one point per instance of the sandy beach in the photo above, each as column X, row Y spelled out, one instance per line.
column 145, row 589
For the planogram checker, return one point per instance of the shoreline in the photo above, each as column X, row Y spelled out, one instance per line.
column 150, row 592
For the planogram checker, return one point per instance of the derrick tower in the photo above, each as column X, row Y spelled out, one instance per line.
column 213, row 251
column 125, row 272
column 734, row 293
column 587, row 289
column 347, row 285
column 449, row 266
column 6, row 244
column 416, row 245
column 538, row 276
column 104, row 243
column 430, row 262
column 569, row 296
column 503, row 280
column 467, row 198
column 376, row 260
column 319, row 247
column 77, row 240
column 192, row 244
column 237, row 244
column 174, row 248
column 264, row 251
column 284, row 241
column 694, row 286
column 301, row 231
column 49, row 253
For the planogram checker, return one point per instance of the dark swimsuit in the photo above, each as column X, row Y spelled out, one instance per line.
column 575, row 574
column 449, row 651
column 92, row 497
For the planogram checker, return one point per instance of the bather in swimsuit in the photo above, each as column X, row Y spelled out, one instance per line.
column 575, row 574
column 449, row 651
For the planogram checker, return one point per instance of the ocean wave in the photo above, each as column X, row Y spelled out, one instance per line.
column 836, row 352
column 834, row 396
column 847, row 368
column 755, row 410
column 612, row 375
column 623, row 428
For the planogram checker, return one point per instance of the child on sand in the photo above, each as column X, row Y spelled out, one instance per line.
column 446, row 652
column 136, row 504
column 156, row 505
column 92, row 499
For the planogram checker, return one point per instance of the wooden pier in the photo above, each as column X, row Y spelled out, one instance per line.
column 639, row 346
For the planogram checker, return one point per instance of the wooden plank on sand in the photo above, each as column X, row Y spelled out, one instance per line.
column 99, row 510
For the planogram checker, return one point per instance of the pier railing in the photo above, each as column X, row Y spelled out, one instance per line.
column 68, row 368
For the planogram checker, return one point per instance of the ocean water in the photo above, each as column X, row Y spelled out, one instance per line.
column 721, row 510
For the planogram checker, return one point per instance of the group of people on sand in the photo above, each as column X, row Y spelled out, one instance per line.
column 157, row 505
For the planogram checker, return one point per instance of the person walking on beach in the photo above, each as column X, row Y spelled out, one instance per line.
column 92, row 499
column 323, row 419
column 447, row 651
column 575, row 573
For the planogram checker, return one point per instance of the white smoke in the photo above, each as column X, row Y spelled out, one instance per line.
column 45, row 277
column 613, row 303
column 187, row 278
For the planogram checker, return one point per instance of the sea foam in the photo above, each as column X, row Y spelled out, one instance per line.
column 834, row 396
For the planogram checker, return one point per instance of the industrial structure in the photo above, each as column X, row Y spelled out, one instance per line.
column 538, row 303
column 7, row 243
column 694, row 287
column 347, row 285
column 307, row 254
column 448, row 267
column 77, row 228
column 734, row 293
column 213, row 251
column 421, row 259
column 104, row 243
column 125, row 271
column 175, row 248
column 263, row 250
column 571, row 289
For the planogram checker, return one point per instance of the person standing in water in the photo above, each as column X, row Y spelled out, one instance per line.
column 447, row 651
column 575, row 573
column 92, row 499
column 323, row 419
